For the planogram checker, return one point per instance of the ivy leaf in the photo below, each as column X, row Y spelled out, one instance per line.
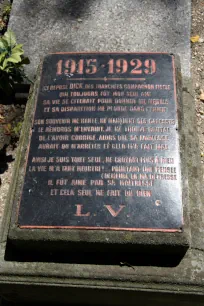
column 8, row 69
column 15, row 56
column 16, row 53
column 2, row 56
column 9, row 36
column 11, row 59
column 18, row 49
column 3, row 44
column 11, row 62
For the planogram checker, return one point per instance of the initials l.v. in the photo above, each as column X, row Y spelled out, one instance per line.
column 114, row 213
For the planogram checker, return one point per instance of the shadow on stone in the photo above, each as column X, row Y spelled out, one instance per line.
column 113, row 256
column 18, row 96
column 4, row 159
column 75, row 8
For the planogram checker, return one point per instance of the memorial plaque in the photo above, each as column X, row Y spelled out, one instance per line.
column 104, row 147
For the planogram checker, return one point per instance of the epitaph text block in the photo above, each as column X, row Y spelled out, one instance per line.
column 104, row 146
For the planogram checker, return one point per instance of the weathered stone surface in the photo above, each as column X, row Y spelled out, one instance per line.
column 110, row 283
column 78, row 239
column 181, row 284
column 85, row 25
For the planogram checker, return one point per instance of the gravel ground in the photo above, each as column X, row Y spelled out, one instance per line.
column 6, row 157
column 197, row 66
column 6, row 180
column 2, row 4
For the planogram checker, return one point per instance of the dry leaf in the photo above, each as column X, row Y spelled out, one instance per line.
column 195, row 39
column 2, row 23
column 7, row 129
column 202, row 97
column 79, row 20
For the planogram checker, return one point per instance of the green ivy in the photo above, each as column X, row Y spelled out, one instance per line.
column 6, row 10
column 12, row 62
column 17, row 129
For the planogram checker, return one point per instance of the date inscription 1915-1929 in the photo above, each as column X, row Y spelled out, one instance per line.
column 104, row 149
column 90, row 66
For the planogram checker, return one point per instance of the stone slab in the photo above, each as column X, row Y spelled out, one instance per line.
column 24, row 279
column 36, row 228
column 114, row 130
column 111, row 25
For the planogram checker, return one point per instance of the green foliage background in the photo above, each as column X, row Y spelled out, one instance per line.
column 12, row 62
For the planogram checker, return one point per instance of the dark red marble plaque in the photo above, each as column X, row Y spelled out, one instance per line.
column 104, row 146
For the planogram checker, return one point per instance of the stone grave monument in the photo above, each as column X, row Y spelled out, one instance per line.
column 103, row 158
column 105, row 205
column 100, row 196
